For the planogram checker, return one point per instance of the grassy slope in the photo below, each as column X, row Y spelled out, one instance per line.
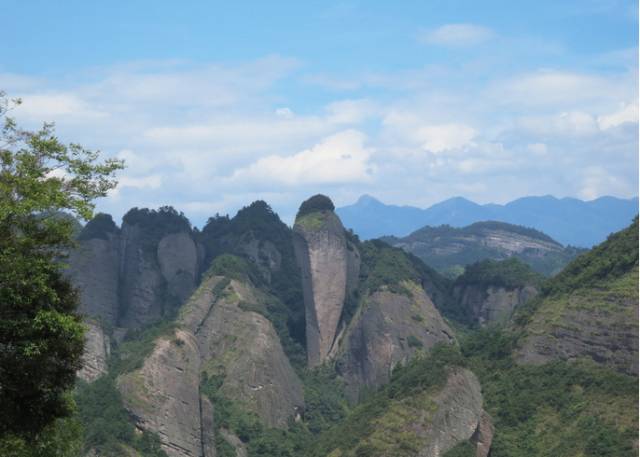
column 600, row 287
column 557, row 409
column 562, row 408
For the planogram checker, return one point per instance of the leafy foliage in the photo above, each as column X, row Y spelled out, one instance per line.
column 318, row 202
column 258, row 224
column 385, row 266
column 258, row 439
column 607, row 273
column 560, row 409
column 510, row 273
column 41, row 336
column 61, row 438
column 379, row 425
column 234, row 267
column 616, row 256
column 157, row 223
column 106, row 424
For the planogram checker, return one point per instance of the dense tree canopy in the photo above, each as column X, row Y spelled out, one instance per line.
column 318, row 202
column 41, row 336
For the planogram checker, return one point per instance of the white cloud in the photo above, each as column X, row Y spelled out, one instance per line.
column 211, row 138
column 406, row 126
column 350, row 111
column 563, row 89
column 445, row 137
column 139, row 182
column 538, row 149
column 340, row 158
column 628, row 113
column 63, row 106
column 598, row 181
column 566, row 123
column 457, row 35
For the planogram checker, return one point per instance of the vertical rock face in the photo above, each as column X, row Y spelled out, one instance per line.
column 388, row 330
column 326, row 264
column 178, row 258
column 142, row 287
column 492, row 304
column 243, row 348
column 94, row 270
column 483, row 436
column 457, row 417
column 96, row 352
column 164, row 397
column 218, row 337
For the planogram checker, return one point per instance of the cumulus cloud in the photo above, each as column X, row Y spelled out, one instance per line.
column 405, row 125
column 137, row 182
column 627, row 114
column 457, row 35
column 211, row 138
column 340, row 158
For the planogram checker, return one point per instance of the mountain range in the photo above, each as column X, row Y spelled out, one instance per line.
column 449, row 249
column 567, row 220
column 249, row 338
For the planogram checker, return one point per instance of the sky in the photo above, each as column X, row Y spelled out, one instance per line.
column 213, row 105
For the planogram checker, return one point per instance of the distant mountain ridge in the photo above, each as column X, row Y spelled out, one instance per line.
column 450, row 249
column 568, row 220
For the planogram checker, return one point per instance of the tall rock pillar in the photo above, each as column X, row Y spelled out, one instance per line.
column 321, row 251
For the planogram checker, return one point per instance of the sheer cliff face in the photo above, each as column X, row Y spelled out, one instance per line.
column 94, row 270
column 96, row 352
column 243, row 348
column 155, row 278
column 325, row 261
column 164, row 397
column 215, row 336
column 488, row 305
column 387, row 331
column 127, row 281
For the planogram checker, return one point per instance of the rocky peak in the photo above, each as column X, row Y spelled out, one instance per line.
column 324, row 259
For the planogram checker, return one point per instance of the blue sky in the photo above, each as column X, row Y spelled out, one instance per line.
column 216, row 104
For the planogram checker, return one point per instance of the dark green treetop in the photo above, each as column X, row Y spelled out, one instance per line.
column 318, row 202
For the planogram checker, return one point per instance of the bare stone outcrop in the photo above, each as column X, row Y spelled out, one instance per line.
column 97, row 348
column 327, row 265
column 387, row 331
column 164, row 397
column 178, row 259
column 243, row 347
column 598, row 325
column 492, row 304
column 94, row 270
column 458, row 416
column 216, row 336
column 155, row 278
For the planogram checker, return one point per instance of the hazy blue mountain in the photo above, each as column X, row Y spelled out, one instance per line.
column 568, row 220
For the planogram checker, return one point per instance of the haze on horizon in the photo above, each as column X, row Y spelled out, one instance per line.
column 213, row 107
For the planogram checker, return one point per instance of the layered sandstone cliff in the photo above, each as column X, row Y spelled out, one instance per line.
column 215, row 337
column 329, row 267
column 389, row 328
